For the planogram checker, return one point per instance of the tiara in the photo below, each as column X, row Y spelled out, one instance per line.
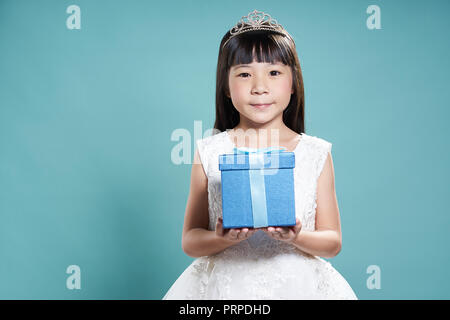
column 255, row 20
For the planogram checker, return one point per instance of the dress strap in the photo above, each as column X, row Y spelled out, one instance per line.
column 322, row 148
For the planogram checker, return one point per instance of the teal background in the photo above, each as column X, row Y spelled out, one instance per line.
column 86, row 118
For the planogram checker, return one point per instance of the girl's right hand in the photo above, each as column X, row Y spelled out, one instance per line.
column 235, row 234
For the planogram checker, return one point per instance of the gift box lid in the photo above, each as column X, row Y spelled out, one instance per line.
column 249, row 161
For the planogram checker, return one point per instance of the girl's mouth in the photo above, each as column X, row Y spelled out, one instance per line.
column 261, row 106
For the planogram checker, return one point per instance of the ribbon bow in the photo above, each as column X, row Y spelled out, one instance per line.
column 246, row 150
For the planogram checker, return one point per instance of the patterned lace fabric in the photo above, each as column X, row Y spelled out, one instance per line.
column 261, row 267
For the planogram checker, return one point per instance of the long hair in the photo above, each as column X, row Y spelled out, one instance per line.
column 272, row 47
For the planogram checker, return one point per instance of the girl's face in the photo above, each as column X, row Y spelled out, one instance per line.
column 260, row 91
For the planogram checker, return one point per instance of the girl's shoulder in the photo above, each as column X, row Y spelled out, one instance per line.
column 216, row 139
column 316, row 150
column 210, row 146
column 316, row 142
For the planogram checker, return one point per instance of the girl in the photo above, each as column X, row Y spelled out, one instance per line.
column 259, row 89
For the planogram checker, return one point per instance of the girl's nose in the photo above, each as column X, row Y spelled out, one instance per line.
column 259, row 86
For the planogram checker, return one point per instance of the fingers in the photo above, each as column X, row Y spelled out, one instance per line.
column 298, row 226
column 233, row 234
column 219, row 227
column 240, row 234
column 281, row 233
column 246, row 233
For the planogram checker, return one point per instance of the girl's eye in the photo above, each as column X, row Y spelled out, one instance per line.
column 271, row 73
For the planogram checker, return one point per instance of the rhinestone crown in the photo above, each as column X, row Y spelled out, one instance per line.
column 255, row 20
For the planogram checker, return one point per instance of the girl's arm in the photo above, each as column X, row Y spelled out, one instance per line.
column 326, row 240
column 197, row 240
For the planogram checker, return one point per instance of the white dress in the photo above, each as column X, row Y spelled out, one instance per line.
column 261, row 267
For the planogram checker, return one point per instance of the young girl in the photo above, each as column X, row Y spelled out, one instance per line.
column 259, row 91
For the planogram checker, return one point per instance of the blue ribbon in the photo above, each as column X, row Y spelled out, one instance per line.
column 257, row 183
column 245, row 150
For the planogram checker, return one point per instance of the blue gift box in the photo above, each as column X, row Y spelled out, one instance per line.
column 257, row 188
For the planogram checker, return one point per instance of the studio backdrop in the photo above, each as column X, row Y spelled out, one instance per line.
column 101, row 103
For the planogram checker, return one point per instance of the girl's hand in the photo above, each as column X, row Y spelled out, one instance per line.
column 235, row 234
column 286, row 234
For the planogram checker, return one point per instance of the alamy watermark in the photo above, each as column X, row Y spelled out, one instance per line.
column 374, row 280
column 74, row 280
column 74, row 20
column 260, row 153
column 374, row 20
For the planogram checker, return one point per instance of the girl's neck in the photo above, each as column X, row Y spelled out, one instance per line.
column 262, row 135
column 270, row 128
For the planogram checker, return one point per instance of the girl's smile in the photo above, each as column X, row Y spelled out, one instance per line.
column 262, row 106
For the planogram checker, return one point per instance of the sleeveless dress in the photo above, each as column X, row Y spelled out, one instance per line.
column 261, row 267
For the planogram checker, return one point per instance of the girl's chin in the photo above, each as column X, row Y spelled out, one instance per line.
column 261, row 119
column 260, row 113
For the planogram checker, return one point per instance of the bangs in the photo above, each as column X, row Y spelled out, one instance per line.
column 260, row 47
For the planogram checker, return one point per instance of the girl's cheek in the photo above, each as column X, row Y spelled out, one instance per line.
column 237, row 90
column 286, row 86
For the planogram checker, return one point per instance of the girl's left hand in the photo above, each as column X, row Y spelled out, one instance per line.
column 287, row 234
